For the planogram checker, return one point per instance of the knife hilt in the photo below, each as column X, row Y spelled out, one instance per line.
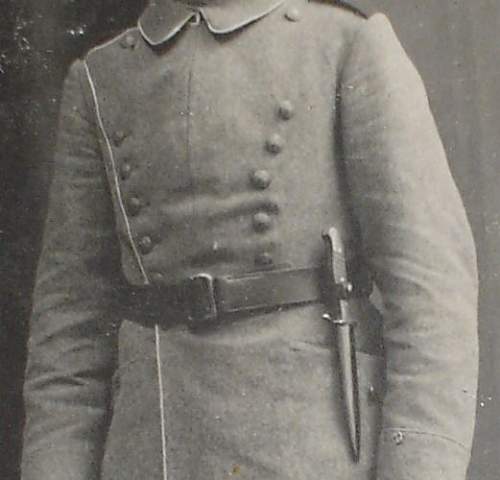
column 336, row 272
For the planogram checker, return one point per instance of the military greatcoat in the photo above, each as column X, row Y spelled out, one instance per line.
column 223, row 137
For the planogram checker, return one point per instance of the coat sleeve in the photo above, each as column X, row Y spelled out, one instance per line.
column 418, row 244
column 72, row 341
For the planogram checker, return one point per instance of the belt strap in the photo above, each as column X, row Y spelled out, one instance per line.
column 203, row 298
column 269, row 289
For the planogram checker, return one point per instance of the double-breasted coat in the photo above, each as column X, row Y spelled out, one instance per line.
column 223, row 137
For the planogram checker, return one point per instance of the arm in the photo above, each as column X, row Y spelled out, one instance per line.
column 419, row 247
column 72, row 343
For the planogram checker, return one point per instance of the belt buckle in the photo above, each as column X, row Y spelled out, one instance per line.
column 201, row 299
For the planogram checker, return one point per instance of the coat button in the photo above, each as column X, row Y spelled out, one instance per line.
column 128, row 41
column 293, row 14
column 286, row 110
column 261, row 222
column 157, row 278
column 275, row 143
column 398, row 438
column 134, row 205
column 145, row 245
column 261, row 179
column 118, row 137
column 263, row 259
column 125, row 170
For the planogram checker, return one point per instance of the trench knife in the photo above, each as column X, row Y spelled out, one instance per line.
column 339, row 290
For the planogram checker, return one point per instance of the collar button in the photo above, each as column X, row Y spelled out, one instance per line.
column 293, row 14
column 195, row 20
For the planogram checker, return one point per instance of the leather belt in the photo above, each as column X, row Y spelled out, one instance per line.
column 201, row 299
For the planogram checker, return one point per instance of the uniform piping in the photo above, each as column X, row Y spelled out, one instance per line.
column 206, row 16
column 115, row 176
column 141, row 267
column 170, row 34
column 241, row 24
column 162, row 403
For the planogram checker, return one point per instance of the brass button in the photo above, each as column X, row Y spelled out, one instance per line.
column 118, row 137
column 128, row 41
column 261, row 179
column 263, row 259
column 134, row 205
column 275, row 143
column 125, row 170
column 145, row 245
column 286, row 110
column 261, row 221
column 157, row 278
column 293, row 14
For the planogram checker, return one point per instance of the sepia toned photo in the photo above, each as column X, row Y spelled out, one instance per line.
column 249, row 239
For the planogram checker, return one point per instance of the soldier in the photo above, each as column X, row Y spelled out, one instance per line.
column 179, row 328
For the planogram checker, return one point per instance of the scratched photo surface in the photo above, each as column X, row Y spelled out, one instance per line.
column 453, row 44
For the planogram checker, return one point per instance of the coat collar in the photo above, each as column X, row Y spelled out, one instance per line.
column 162, row 19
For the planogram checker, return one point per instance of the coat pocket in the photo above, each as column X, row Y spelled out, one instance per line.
column 133, row 444
column 371, row 381
column 371, row 384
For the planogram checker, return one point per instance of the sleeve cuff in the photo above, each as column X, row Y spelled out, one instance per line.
column 60, row 464
column 412, row 455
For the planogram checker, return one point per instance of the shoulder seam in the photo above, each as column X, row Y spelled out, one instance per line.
column 351, row 6
column 349, row 49
column 84, row 90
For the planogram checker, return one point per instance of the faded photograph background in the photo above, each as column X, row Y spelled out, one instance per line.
column 456, row 47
